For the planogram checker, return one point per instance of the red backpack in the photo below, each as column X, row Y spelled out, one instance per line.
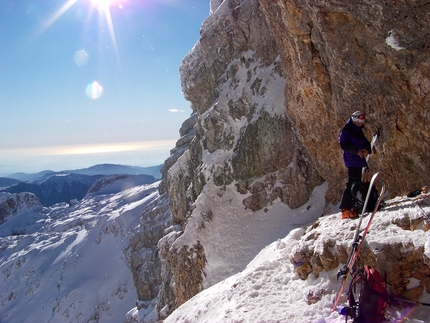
column 372, row 295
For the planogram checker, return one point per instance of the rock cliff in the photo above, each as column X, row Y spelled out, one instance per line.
column 14, row 204
column 364, row 55
column 270, row 85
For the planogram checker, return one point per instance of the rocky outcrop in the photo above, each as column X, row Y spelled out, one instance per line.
column 401, row 261
column 142, row 251
column 14, row 204
column 153, row 279
column 270, row 85
column 236, row 84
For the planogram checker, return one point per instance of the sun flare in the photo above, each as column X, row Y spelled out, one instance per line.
column 100, row 3
column 103, row 4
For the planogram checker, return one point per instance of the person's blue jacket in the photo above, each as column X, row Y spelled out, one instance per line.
column 351, row 140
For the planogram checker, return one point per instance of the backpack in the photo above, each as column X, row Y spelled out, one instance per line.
column 372, row 297
column 359, row 192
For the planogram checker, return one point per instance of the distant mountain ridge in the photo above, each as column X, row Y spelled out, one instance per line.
column 114, row 169
column 99, row 169
column 56, row 187
column 5, row 181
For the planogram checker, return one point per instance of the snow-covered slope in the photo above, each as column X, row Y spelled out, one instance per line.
column 116, row 183
column 68, row 264
column 269, row 290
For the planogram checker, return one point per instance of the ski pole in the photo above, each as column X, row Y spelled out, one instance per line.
column 365, row 170
column 375, row 136
column 411, row 302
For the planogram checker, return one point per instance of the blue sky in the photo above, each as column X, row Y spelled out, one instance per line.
column 84, row 82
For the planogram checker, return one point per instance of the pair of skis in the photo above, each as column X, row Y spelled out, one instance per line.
column 345, row 273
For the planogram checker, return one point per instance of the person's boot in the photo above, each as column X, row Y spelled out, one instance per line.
column 349, row 214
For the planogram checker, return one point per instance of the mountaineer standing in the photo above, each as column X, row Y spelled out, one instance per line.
column 355, row 148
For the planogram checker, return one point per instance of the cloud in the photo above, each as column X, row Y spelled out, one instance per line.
column 35, row 159
column 90, row 149
column 176, row 110
column 114, row 148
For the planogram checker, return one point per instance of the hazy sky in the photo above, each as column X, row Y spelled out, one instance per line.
column 84, row 82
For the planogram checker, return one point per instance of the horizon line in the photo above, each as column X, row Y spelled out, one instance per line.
column 90, row 149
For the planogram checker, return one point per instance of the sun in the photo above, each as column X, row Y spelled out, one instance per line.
column 100, row 3
column 104, row 4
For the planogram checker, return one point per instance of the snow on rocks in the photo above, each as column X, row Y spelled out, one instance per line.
column 271, row 289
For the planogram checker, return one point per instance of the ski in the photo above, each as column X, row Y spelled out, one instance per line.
column 356, row 248
column 366, row 229
column 372, row 182
column 345, row 272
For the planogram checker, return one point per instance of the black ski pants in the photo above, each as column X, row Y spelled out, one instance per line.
column 354, row 175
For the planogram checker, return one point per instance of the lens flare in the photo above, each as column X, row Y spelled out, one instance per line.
column 94, row 90
column 33, row 11
column 103, row 6
column 63, row 9
column 81, row 57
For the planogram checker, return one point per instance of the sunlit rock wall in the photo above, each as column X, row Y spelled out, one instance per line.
column 244, row 139
column 358, row 55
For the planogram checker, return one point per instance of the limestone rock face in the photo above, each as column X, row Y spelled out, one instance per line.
column 366, row 55
column 235, row 82
column 270, row 85
column 142, row 252
column 243, row 137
